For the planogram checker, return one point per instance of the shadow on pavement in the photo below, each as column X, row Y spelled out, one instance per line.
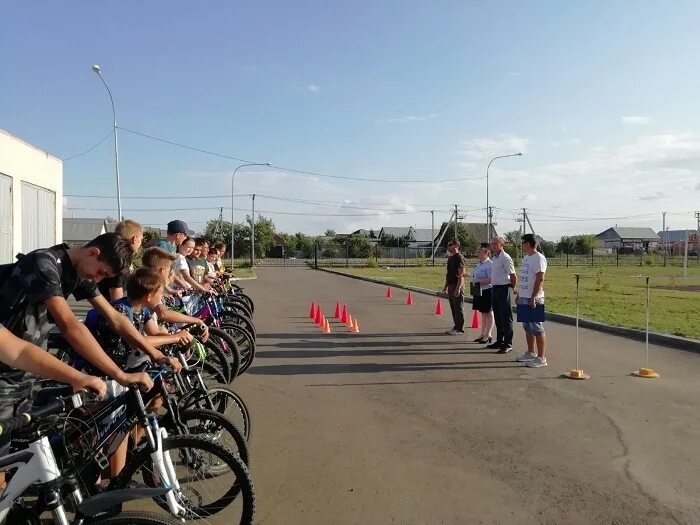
column 298, row 335
column 368, row 344
column 366, row 368
column 324, row 352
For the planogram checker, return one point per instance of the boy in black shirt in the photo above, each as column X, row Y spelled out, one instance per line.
column 33, row 293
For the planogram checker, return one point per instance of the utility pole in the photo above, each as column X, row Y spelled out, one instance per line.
column 252, row 235
column 532, row 230
column 456, row 219
column 489, row 226
column 432, row 235
column 664, row 236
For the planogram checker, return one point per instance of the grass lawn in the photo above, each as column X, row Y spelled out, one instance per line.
column 243, row 273
column 612, row 295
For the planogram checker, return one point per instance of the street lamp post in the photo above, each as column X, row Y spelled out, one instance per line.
column 488, row 209
column 233, row 176
column 97, row 70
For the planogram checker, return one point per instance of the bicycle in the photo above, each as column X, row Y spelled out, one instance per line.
column 37, row 471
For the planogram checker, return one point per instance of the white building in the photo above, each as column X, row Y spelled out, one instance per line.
column 31, row 198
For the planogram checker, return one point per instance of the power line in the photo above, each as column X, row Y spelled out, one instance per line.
column 293, row 170
column 90, row 148
column 271, row 212
column 341, row 204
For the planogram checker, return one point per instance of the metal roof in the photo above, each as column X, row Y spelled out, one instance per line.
column 631, row 233
column 676, row 235
column 82, row 230
column 395, row 231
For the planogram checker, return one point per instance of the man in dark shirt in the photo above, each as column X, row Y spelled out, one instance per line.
column 454, row 286
column 33, row 293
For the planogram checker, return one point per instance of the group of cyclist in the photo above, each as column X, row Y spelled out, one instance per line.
column 119, row 334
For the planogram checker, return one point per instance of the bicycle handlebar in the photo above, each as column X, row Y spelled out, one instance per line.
column 52, row 408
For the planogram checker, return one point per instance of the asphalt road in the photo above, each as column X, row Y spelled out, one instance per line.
column 400, row 424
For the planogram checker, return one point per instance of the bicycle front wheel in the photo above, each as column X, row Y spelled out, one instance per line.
column 135, row 518
column 203, row 492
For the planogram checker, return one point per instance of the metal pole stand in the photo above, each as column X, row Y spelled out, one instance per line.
column 646, row 372
column 576, row 373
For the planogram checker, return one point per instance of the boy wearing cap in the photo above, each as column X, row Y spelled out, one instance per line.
column 177, row 233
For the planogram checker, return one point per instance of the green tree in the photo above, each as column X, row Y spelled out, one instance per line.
column 548, row 248
column 584, row 244
column 149, row 236
column 304, row 245
column 264, row 235
column 576, row 244
column 467, row 242
column 512, row 245
column 216, row 231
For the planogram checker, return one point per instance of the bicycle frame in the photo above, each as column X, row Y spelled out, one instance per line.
column 130, row 410
column 36, row 464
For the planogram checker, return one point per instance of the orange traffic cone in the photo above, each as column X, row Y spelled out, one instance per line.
column 337, row 310
column 326, row 327
column 319, row 316
column 344, row 315
column 312, row 312
column 388, row 292
column 355, row 327
column 409, row 301
column 438, row 307
column 475, row 319
column 349, row 321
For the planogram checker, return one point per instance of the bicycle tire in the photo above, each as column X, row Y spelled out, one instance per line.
column 247, row 299
column 246, row 344
column 231, row 351
column 215, row 358
column 238, row 306
column 225, row 397
column 228, row 317
column 225, row 401
column 212, row 425
column 135, row 517
column 243, row 486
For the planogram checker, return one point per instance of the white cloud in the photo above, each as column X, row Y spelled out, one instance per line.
column 406, row 119
column 480, row 148
column 654, row 196
column 636, row 121
column 313, row 88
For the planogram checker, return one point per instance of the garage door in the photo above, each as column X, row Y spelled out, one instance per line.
column 38, row 217
column 5, row 219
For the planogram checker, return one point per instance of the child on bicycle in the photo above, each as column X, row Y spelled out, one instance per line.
column 144, row 291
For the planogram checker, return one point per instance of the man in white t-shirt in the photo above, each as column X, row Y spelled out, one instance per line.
column 531, row 293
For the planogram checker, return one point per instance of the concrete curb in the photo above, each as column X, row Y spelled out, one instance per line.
column 656, row 338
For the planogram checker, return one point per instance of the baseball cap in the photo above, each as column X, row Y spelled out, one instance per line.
column 177, row 227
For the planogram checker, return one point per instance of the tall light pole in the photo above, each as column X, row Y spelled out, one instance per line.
column 233, row 176
column 97, row 70
column 488, row 214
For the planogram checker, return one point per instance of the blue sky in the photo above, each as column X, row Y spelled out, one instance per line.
column 600, row 96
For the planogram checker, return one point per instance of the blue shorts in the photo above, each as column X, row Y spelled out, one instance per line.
column 532, row 328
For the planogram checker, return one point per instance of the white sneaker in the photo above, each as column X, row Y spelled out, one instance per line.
column 527, row 356
column 537, row 362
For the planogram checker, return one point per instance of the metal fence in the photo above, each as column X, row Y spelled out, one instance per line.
column 421, row 257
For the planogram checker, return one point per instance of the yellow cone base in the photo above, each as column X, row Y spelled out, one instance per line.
column 576, row 374
column 648, row 373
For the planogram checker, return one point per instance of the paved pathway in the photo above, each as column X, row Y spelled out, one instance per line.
column 400, row 424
